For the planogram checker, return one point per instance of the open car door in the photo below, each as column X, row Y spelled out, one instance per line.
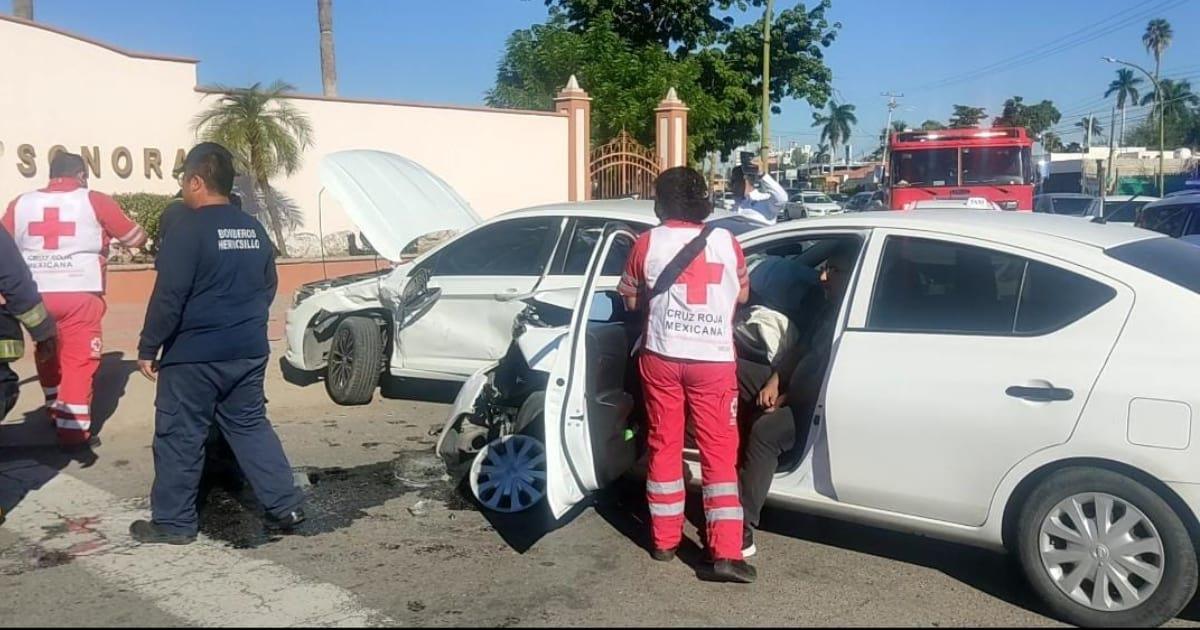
column 589, row 437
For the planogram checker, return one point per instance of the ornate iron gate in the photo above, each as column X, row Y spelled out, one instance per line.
column 623, row 168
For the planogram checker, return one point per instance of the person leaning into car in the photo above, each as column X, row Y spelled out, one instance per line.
column 686, row 362
column 778, row 394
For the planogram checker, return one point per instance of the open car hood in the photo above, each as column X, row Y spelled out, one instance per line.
column 392, row 199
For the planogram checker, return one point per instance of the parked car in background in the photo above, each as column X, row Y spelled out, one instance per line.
column 1073, row 204
column 449, row 311
column 813, row 204
column 1177, row 216
column 1018, row 402
column 839, row 198
column 865, row 201
column 1121, row 208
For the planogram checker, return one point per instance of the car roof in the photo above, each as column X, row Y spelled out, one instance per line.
column 988, row 224
column 1174, row 200
column 1120, row 198
column 638, row 210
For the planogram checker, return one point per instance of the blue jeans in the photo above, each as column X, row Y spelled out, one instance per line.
column 193, row 396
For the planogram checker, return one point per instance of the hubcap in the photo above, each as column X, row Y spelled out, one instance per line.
column 509, row 474
column 1102, row 551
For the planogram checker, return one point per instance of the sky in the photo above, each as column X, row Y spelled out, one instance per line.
column 936, row 52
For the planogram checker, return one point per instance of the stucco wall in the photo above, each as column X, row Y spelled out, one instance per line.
column 60, row 89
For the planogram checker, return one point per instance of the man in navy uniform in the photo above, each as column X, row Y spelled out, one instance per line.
column 208, row 317
column 20, row 305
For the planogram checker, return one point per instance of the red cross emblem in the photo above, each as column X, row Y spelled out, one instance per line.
column 698, row 276
column 50, row 228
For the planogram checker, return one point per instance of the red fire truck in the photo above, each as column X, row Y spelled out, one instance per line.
column 995, row 164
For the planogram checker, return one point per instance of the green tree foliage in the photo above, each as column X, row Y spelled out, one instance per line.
column 267, row 136
column 1177, row 99
column 1157, row 39
column 1097, row 130
column 836, row 124
column 932, row 125
column 146, row 209
column 1034, row 118
column 1125, row 86
column 1052, row 142
column 966, row 116
column 628, row 53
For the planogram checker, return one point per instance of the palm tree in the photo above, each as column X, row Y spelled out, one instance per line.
column 1175, row 98
column 1097, row 131
column 822, row 154
column 836, row 126
column 1157, row 39
column 1125, row 87
column 266, row 134
column 328, row 66
column 1051, row 142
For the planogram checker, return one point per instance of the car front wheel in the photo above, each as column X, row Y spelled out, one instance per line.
column 1103, row 550
column 355, row 357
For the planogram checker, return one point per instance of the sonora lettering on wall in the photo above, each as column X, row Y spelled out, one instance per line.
column 120, row 161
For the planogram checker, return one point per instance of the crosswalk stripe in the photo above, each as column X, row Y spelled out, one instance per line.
column 203, row 583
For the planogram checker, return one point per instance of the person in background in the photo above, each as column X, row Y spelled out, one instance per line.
column 686, row 361
column 761, row 207
column 20, row 305
column 205, row 342
column 63, row 232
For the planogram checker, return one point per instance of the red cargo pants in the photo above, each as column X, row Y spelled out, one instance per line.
column 708, row 392
column 67, row 380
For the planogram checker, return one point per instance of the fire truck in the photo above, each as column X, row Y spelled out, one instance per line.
column 995, row 164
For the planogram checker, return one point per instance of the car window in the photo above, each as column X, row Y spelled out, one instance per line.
column 583, row 241
column 516, row 247
column 810, row 198
column 1052, row 298
column 1122, row 211
column 1169, row 220
column 1074, row 206
column 1172, row 260
column 934, row 286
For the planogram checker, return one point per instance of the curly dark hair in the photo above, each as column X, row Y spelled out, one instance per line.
column 681, row 193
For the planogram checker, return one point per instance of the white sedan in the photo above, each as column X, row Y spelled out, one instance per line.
column 1017, row 381
column 449, row 311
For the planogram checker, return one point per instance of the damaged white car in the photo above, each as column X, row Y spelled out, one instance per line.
column 994, row 379
column 450, row 311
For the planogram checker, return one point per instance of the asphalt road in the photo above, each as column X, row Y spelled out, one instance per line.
column 390, row 542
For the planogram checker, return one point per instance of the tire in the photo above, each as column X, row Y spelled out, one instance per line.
column 1175, row 564
column 355, row 357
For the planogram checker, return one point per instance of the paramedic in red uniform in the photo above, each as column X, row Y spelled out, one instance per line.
column 687, row 365
column 63, row 232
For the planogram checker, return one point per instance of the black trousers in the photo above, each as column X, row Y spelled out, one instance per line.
column 767, row 436
column 193, row 396
column 9, row 389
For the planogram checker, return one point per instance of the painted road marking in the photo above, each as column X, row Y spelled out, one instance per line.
column 204, row 583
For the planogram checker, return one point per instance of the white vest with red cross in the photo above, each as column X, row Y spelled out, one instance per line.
column 693, row 319
column 61, row 240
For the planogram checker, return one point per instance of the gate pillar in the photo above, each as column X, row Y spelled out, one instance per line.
column 670, row 124
column 577, row 105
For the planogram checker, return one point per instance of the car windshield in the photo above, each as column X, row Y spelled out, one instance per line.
column 1169, row 220
column 926, row 167
column 1074, row 206
column 1122, row 211
column 818, row 198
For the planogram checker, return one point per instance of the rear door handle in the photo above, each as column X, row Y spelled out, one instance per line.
column 1040, row 394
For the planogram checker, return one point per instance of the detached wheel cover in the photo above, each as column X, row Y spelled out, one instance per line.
column 509, row 474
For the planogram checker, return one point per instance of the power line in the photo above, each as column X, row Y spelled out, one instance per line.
column 1072, row 40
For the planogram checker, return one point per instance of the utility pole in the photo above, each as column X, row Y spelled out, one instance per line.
column 887, row 131
column 1112, row 138
column 328, row 64
column 23, row 9
column 766, row 89
column 1087, row 148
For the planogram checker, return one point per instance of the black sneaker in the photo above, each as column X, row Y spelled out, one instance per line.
column 663, row 555
column 286, row 523
column 148, row 533
column 738, row 571
column 748, row 548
